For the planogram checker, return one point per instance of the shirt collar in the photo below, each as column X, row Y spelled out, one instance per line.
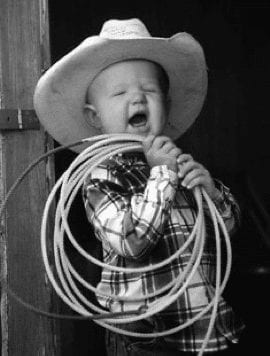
column 129, row 158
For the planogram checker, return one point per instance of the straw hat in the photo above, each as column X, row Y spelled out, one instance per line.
column 60, row 94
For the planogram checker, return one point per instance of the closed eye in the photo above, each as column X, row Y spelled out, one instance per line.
column 118, row 93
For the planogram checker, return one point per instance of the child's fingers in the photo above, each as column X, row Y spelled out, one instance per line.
column 160, row 141
column 187, row 167
column 167, row 147
column 184, row 157
column 194, row 174
column 170, row 148
column 196, row 181
column 175, row 152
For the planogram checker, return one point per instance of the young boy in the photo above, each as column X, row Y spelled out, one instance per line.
column 141, row 204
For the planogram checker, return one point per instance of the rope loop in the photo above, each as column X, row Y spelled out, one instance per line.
column 65, row 283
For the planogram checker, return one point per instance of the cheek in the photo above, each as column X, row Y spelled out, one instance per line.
column 113, row 120
column 113, row 107
column 162, row 112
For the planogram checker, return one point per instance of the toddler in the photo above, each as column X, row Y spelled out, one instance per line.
column 141, row 204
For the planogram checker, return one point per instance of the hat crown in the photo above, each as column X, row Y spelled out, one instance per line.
column 124, row 29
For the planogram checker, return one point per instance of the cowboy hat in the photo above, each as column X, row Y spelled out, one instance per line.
column 60, row 94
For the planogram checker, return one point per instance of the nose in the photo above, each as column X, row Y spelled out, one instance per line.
column 138, row 97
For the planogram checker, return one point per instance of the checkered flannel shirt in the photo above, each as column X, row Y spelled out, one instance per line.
column 143, row 216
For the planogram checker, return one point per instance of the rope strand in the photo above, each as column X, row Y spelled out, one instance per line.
column 98, row 149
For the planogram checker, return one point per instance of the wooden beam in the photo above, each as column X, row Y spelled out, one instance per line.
column 24, row 55
column 17, row 119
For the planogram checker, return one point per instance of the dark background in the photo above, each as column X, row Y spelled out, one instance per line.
column 230, row 137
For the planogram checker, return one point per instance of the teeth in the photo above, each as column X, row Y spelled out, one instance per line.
column 138, row 119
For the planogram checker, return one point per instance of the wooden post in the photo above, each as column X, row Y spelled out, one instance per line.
column 24, row 54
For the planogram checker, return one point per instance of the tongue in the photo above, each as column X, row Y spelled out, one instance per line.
column 138, row 120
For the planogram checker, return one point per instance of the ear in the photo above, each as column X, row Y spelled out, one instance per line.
column 92, row 117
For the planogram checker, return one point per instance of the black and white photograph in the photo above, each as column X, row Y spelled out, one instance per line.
column 134, row 178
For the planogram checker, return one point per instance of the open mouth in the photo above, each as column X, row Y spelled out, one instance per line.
column 138, row 119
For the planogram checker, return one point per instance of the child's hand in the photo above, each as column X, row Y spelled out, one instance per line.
column 194, row 174
column 161, row 150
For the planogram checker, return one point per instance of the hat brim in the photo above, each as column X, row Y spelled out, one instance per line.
column 61, row 92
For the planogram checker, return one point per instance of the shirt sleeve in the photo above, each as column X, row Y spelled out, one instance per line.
column 130, row 224
column 228, row 207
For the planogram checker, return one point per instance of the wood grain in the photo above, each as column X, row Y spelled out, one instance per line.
column 24, row 53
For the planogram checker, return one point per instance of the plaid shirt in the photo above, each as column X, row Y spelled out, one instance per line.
column 142, row 217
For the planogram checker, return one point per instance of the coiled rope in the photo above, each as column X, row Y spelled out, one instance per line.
column 99, row 149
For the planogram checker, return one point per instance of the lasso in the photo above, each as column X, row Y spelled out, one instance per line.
column 99, row 148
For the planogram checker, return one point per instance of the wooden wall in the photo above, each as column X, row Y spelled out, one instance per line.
column 24, row 53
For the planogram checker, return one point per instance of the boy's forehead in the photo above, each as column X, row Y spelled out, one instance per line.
column 127, row 68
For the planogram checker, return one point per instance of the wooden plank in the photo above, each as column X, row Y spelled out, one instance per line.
column 24, row 52
column 17, row 119
column 3, row 260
